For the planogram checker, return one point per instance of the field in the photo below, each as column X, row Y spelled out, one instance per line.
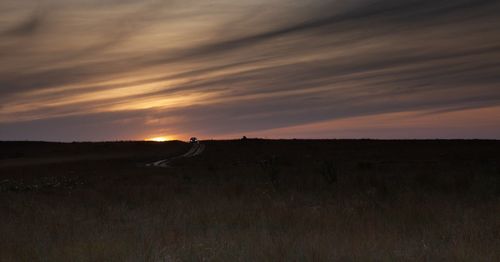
column 251, row 200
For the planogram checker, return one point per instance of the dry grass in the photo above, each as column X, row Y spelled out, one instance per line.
column 224, row 206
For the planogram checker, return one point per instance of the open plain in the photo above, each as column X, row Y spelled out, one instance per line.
column 251, row 200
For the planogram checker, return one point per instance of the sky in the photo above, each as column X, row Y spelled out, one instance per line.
column 94, row 70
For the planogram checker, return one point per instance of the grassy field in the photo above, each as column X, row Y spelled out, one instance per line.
column 251, row 200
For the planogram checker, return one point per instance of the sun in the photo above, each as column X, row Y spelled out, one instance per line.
column 159, row 139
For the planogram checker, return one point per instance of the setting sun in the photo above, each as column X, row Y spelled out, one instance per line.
column 159, row 139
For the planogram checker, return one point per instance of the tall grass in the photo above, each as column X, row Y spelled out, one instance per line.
column 396, row 209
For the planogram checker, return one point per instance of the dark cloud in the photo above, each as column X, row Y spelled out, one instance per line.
column 376, row 13
column 27, row 27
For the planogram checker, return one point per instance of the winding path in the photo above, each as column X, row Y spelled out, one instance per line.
column 195, row 150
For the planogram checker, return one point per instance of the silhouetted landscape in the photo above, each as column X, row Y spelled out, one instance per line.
column 396, row 104
column 251, row 200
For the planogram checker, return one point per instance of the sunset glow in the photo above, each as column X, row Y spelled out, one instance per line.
column 159, row 139
column 244, row 129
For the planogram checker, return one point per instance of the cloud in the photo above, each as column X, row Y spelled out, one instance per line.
column 26, row 27
column 219, row 68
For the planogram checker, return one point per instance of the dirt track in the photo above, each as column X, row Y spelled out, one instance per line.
column 195, row 150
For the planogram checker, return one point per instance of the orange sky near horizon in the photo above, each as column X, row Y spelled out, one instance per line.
column 417, row 125
column 400, row 125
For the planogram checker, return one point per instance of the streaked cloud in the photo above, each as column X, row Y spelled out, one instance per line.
column 98, row 70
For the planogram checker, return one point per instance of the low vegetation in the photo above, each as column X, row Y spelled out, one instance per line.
column 251, row 200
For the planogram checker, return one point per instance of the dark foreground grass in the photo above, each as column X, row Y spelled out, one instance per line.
column 253, row 200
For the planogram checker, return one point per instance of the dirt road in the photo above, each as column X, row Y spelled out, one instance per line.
column 195, row 150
